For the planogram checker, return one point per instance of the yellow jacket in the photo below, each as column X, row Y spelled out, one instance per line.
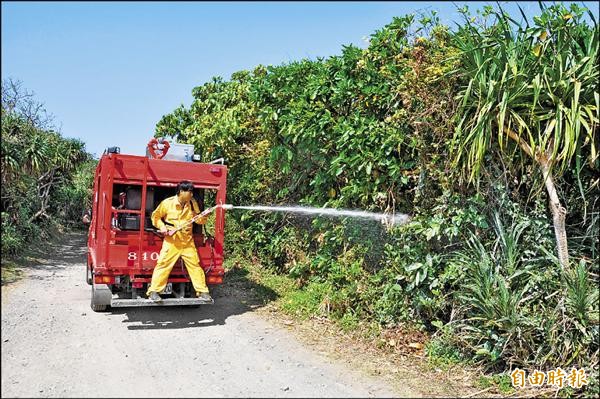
column 175, row 215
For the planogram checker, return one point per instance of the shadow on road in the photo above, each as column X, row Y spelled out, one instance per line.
column 237, row 295
column 62, row 251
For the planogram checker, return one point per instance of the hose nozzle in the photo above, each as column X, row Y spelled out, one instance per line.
column 211, row 209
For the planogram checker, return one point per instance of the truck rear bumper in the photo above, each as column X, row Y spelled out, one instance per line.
column 121, row 303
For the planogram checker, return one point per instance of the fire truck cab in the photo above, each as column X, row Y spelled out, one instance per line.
column 123, row 245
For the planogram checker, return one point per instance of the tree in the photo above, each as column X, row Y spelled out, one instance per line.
column 17, row 99
column 36, row 160
column 535, row 85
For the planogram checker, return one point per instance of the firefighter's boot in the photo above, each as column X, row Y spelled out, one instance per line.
column 154, row 297
column 204, row 296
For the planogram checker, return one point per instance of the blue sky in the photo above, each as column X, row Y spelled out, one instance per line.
column 108, row 71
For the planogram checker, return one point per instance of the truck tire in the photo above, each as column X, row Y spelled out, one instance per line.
column 96, row 304
column 99, row 308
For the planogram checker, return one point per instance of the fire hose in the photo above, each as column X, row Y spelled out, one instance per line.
column 202, row 214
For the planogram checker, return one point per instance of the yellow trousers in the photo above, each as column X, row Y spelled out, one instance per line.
column 169, row 254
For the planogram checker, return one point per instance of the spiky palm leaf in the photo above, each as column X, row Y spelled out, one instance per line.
column 534, row 85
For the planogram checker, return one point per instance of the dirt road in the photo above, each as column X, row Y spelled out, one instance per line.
column 54, row 345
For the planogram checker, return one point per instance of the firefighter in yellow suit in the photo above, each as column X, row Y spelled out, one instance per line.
column 176, row 211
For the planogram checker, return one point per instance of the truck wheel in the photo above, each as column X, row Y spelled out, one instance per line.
column 99, row 308
column 94, row 304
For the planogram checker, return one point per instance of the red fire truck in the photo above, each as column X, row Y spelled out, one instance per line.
column 123, row 245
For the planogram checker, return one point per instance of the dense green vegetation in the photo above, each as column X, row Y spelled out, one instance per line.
column 483, row 265
column 46, row 178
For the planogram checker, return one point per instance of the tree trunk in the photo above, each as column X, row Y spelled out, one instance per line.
column 559, row 214
column 43, row 190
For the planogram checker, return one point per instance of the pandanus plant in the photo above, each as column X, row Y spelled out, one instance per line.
column 533, row 85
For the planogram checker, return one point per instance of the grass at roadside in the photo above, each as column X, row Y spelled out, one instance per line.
column 501, row 381
column 11, row 271
column 239, row 271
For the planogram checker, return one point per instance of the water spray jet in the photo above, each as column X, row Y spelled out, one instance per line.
column 388, row 219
